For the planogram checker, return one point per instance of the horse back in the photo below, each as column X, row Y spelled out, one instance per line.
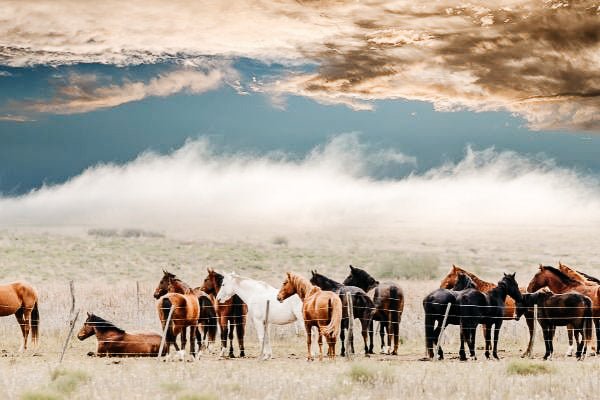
column 316, row 306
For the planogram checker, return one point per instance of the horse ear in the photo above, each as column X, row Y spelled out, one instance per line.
column 454, row 267
column 352, row 268
column 288, row 274
column 541, row 267
column 88, row 314
column 513, row 275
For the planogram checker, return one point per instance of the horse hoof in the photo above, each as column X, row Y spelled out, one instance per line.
column 242, row 354
column 91, row 354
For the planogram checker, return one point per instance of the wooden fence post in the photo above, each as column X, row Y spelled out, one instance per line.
column 164, row 335
column 350, row 334
column 72, row 320
column 265, row 331
column 440, row 337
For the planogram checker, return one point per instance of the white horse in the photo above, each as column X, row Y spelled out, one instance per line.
column 255, row 294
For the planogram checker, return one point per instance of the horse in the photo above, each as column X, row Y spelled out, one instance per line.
column 435, row 304
column 115, row 342
column 486, row 308
column 232, row 311
column 173, row 292
column 572, row 309
column 21, row 299
column 256, row 294
column 559, row 282
column 483, row 286
column 207, row 322
column 388, row 300
column 362, row 307
column 320, row 308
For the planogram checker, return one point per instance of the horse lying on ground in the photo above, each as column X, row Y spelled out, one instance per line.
column 231, row 314
column 435, row 304
column 173, row 292
column 362, row 307
column 21, row 299
column 256, row 294
column 574, row 309
column 322, row 309
column 115, row 342
column 487, row 308
column 388, row 300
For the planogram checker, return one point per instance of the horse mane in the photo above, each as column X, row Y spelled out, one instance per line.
column 478, row 282
column 301, row 284
column 186, row 288
column 566, row 279
column 103, row 325
column 463, row 282
column 218, row 278
column 589, row 277
column 329, row 281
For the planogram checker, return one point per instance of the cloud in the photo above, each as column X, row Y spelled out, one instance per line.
column 536, row 59
column 195, row 189
column 15, row 118
column 83, row 92
column 5, row 73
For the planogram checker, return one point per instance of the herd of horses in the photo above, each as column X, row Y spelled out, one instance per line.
column 554, row 297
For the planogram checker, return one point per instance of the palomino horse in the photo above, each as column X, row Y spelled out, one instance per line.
column 20, row 298
column 322, row 309
column 232, row 311
column 115, row 342
column 388, row 300
column 571, row 309
column 362, row 307
column 256, row 294
column 559, row 282
column 435, row 304
column 173, row 292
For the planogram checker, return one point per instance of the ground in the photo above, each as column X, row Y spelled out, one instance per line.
column 108, row 266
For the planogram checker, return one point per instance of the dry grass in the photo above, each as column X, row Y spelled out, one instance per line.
column 106, row 269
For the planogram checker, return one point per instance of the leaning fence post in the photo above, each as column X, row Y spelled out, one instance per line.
column 437, row 345
column 535, row 315
column 350, row 335
column 164, row 335
column 265, row 331
column 72, row 319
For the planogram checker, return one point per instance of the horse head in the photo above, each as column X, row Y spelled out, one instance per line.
column 228, row 286
column 87, row 329
column 163, row 285
column 551, row 277
column 463, row 282
column 450, row 280
column 512, row 287
column 287, row 289
column 360, row 278
column 212, row 282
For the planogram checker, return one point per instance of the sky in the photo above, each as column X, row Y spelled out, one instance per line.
column 476, row 111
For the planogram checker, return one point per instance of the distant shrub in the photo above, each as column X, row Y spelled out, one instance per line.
column 411, row 266
column 368, row 374
column 103, row 232
column 67, row 381
column 524, row 367
column 280, row 241
column 40, row 395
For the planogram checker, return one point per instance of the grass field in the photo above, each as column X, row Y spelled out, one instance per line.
column 106, row 269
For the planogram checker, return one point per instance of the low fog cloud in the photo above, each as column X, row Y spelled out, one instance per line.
column 194, row 188
column 537, row 59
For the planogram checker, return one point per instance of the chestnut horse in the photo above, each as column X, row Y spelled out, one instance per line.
column 173, row 292
column 388, row 299
column 559, row 282
column 232, row 311
column 115, row 342
column 320, row 308
column 21, row 299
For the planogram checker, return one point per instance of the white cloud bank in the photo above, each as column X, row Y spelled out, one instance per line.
column 195, row 189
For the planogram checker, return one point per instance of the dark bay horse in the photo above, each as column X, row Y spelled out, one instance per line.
column 21, row 299
column 320, row 308
column 388, row 299
column 559, row 282
column 173, row 292
column 208, row 321
column 487, row 308
column 232, row 312
column 573, row 309
column 362, row 307
column 115, row 342
column 435, row 304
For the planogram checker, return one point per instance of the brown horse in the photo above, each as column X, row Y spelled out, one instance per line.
column 320, row 308
column 21, row 299
column 388, row 300
column 559, row 282
column 232, row 311
column 115, row 342
column 207, row 323
column 173, row 292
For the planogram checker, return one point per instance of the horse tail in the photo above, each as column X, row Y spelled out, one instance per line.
column 35, row 324
column 396, row 298
column 335, row 320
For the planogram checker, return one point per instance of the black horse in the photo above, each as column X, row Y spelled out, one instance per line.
column 362, row 307
column 435, row 304
column 389, row 304
column 476, row 307
column 554, row 310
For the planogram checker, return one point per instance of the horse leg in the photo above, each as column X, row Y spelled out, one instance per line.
column 343, row 329
column 371, row 334
column 396, row 332
column 570, row 332
column 308, row 328
column 497, row 326
column 240, row 330
column 320, row 342
column 597, row 326
column 461, row 353
column 471, row 341
column 487, row 331
column 547, row 342
column 223, row 325
column 24, row 325
column 231, row 328
column 364, row 328
column 184, row 337
column 260, row 333
column 529, row 320
column 193, row 330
